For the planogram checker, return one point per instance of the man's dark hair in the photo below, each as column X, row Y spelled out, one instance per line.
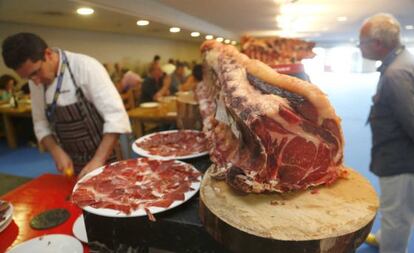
column 5, row 79
column 20, row 47
column 156, row 58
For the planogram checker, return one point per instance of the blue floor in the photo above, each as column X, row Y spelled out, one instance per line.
column 350, row 95
column 25, row 161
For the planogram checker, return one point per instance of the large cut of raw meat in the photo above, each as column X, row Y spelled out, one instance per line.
column 277, row 50
column 267, row 132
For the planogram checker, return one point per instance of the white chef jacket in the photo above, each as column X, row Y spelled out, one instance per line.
column 97, row 87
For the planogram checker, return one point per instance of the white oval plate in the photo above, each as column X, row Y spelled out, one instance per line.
column 79, row 229
column 143, row 152
column 9, row 217
column 149, row 105
column 139, row 212
column 54, row 243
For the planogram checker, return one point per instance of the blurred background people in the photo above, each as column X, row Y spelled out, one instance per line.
column 169, row 67
column 156, row 61
column 192, row 81
column 7, row 87
column 171, row 82
column 152, row 83
column 116, row 76
column 129, row 80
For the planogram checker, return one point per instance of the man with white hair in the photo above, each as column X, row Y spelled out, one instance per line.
column 392, row 124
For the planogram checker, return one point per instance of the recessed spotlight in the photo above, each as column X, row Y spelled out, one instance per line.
column 209, row 37
column 85, row 11
column 220, row 39
column 175, row 29
column 142, row 22
column 195, row 34
column 227, row 41
column 233, row 42
column 409, row 27
column 342, row 19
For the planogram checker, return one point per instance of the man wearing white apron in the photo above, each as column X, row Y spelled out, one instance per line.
column 77, row 112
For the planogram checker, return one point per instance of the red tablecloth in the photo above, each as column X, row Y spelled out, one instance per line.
column 43, row 193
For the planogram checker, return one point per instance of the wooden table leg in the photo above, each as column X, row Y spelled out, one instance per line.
column 137, row 128
column 10, row 132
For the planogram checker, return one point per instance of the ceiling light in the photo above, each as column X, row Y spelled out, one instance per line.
column 342, row 19
column 409, row 27
column 175, row 29
column 219, row 39
column 195, row 34
column 280, row 2
column 142, row 22
column 233, row 42
column 209, row 37
column 85, row 11
column 227, row 41
column 301, row 9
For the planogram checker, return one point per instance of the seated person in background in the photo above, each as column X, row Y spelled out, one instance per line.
column 192, row 81
column 7, row 85
column 130, row 80
column 169, row 68
column 172, row 82
column 156, row 61
column 152, row 84
column 187, row 69
column 117, row 74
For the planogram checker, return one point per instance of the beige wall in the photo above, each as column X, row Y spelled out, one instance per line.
column 131, row 51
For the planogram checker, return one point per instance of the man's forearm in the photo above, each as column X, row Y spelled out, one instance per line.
column 50, row 144
column 106, row 147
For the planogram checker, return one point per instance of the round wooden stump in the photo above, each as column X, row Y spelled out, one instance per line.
column 334, row 218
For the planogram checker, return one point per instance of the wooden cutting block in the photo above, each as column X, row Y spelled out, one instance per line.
column 332, row 219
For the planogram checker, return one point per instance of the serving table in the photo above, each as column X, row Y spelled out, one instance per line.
column 140, row 116
column 43, row 193
column 180, row 229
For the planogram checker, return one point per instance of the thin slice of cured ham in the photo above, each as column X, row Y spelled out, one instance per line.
column 174, row 143
column 136, row 184
column 266, row 131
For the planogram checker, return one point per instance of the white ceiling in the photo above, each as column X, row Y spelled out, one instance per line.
column 310, row 19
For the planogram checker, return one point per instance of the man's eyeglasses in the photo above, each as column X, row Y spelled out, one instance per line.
column 36, row 72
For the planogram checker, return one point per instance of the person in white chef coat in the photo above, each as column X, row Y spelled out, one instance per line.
column 77, row 112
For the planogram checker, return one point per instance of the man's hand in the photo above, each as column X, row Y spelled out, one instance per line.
column 62, row 160
column 90, row 166
column 102, row 153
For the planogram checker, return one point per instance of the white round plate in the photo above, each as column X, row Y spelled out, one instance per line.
column 149, row 105
column 54, row 243
column 79, row 229
column 8, row 218
column 143, row 152
column 195, row 186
